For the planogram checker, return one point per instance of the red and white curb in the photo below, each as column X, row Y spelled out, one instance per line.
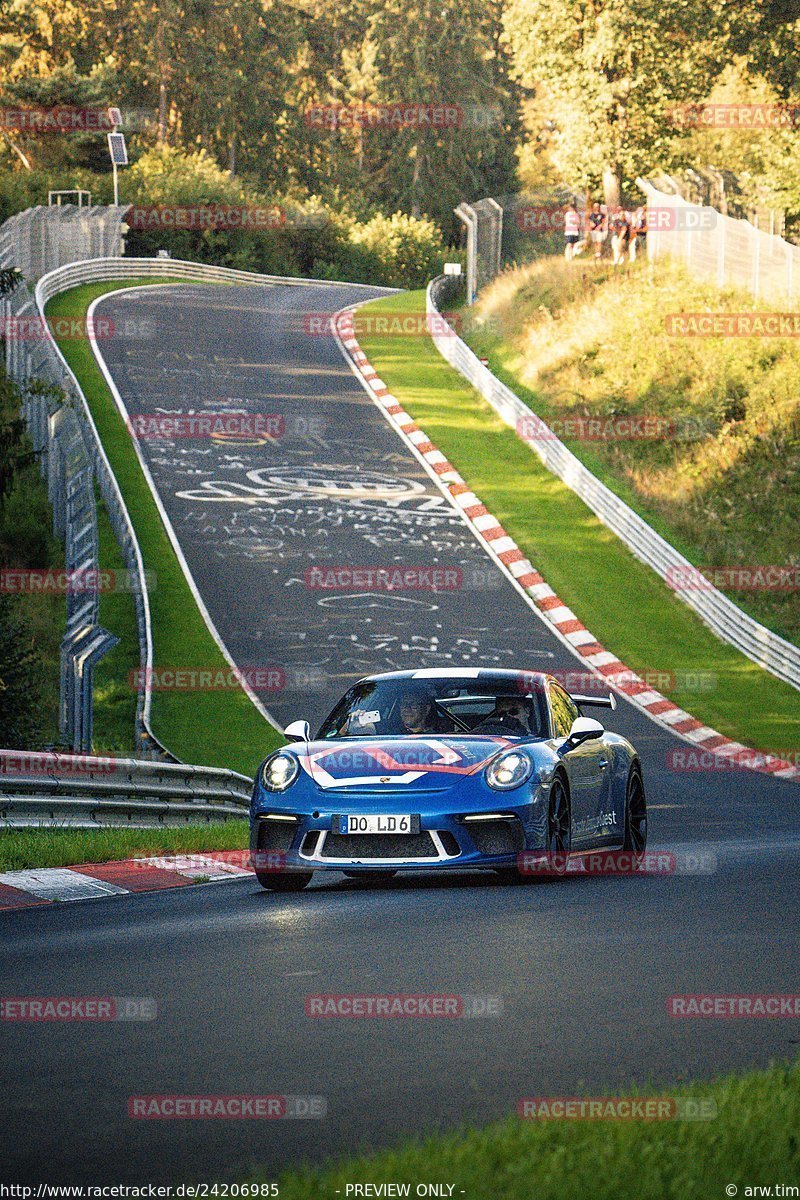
column 90, row 881
column 569, row 628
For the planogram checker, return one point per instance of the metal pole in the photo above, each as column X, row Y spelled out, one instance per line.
column 789, row 270
column 721, row 231
column 468, row 215
column 498, row 246
column 756, row 262
column 116, row 185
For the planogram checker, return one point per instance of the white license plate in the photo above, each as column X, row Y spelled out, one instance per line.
column 379, row 824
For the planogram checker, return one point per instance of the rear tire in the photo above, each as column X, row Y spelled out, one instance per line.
column 284, row 881
column 635, row 815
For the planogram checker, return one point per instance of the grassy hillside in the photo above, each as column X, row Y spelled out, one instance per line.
column 722, row 478
column 625, row 604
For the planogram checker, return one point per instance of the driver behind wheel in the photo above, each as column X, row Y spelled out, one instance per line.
column 511, row 716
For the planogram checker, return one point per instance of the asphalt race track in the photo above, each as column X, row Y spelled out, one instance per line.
column 583, row 967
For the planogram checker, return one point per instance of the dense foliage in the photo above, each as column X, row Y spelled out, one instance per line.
column 270, row 92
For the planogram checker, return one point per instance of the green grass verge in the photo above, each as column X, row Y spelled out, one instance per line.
column 752, row 1141
column 625, row 605
column 21, row 849
column 114, row 714
column 588, row 341
column 218, row 728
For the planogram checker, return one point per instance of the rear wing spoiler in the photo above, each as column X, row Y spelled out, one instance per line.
column 609, row 701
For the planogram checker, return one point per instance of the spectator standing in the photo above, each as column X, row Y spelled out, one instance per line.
column 598, row 229
column 639, row 238
column 572, row 230
column 620, row 236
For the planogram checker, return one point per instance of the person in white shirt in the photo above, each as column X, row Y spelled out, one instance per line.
column 572, row 230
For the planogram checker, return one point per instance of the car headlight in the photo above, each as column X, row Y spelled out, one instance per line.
column 508, row 771
column 279, row 772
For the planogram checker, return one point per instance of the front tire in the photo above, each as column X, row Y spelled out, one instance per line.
column 286, row 881
column 559, row 839
column 559, row 827
column 635, row 815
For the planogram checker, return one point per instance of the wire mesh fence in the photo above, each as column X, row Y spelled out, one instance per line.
column 43, row 238
column 66, row 445
column 725, row 250
column 484, row 227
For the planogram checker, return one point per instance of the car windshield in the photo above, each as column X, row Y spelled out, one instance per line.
column 508, row 707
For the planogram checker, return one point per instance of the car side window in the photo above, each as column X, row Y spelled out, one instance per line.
column 564, row 711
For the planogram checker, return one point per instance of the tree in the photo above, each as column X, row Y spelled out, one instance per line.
column 234, row 79
column 612, row 71
column 766, row 33
column 447, row 53
column 15, row 448
column 764, row 161
column 39, row 44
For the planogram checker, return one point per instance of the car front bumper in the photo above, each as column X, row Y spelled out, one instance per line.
column 292, row 840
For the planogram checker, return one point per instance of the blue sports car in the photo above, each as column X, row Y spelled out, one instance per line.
column 447, row 768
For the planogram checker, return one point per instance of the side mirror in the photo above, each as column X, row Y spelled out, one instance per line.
column 298, row 731
column 583, row 729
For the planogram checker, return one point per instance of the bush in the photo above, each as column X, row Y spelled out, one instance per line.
column 399, row 251
column 25, row 189
column 21, row 679
column 309, row 239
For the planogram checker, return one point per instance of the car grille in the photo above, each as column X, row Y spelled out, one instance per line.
column 496, row 837
column 379, row 845
column 275, row 836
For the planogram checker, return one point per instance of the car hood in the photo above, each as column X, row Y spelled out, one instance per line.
column 422, row 763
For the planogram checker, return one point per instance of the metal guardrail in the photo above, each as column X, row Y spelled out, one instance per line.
column 63, row 446
column 62, row 279
column 81, row 791
column 725, row 618
column 64, row 435
column 105, row 269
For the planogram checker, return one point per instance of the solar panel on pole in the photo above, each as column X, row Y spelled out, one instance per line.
column 119, row 158
column 117, row 149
